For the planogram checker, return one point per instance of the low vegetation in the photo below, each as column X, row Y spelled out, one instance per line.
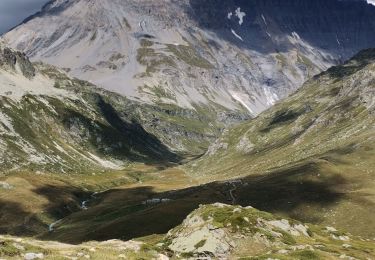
column 311, row 155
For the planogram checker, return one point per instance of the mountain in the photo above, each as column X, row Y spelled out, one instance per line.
column 308, row 159
column 240, row 55
column 310, row 156
column 52, row 122
column 196, row 83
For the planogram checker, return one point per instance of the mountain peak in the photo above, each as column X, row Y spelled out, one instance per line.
column 240, row 55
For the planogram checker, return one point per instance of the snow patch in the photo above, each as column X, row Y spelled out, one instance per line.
column 296, row 36
column 338, row 41
column 235, row 34
column 264, row 19
column 240, row 15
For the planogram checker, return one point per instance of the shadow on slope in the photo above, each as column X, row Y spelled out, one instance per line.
column 291, row 190
column 341, row 27
column 16, row 220
column 116, row 137
column 32, row 204
column 138, row 138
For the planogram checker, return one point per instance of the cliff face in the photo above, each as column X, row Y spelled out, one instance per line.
column 237, row 55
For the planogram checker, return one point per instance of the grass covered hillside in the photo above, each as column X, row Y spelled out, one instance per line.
column 310, row 156
column 54, row 123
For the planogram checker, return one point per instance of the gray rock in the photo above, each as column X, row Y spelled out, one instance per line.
column 33, row 256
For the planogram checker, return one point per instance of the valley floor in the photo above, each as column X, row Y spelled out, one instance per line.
column 141, row 203
column 144, row 200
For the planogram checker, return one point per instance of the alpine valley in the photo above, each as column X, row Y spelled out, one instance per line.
column 188, row 129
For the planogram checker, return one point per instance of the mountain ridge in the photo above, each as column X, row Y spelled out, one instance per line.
column 244, row 62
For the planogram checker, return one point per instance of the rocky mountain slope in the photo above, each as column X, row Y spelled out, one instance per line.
column 215, row 231
column 315, row 147
column 50, row 121
column 236, row 54
column 333, row 110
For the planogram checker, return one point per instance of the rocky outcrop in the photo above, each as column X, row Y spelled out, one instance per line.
column 221, row 231
column 12, row 60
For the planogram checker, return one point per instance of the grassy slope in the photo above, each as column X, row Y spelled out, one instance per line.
column 310, row 156
column 31, row 202
column 251, row 232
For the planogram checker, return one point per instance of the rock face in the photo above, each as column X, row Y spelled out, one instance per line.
column 240, row 55
column 196, row 235
column 217, row 230
column 314, row 114
column 16, row 60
